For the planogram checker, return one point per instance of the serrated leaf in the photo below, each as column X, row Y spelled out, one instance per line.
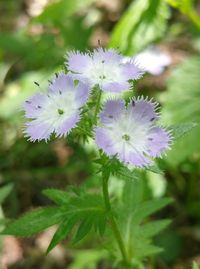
column 149, row 207
column 125, row 173
column 4, row 192
column 132, row 193
column 101, row 225
column 179, row 130
column 147, row 250
column 61, row 233
column 155, row 169
column 35, row 221
column 152, row 228
column 83, row 229
column 57, row 196
column 86, row 211
column 132, row 217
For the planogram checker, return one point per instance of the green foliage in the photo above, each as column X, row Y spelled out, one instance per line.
column 143, row 23
column 4, row 192
column 55, row 13
column 181, row 105
column 87, row 259
column 35, row 221
column 85, row 211
column 39, row 49
column 155, row 169
column 186, row 7
column 134, row 212
column 179, row 130
column 17, row 92
column 195, row 265
column 57, row 196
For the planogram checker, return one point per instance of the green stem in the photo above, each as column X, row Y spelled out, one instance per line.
column 113, row 223
column 97, row 105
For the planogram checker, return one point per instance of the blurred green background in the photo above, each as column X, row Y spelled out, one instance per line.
column 34, row 36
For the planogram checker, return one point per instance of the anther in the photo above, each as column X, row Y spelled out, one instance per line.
column 60, row 111
column 126, row 137
column 37, row 84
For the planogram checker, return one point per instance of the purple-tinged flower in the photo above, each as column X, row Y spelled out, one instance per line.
column 56, row 111
column 131, row 133
column 152, row 60
column 104, row 68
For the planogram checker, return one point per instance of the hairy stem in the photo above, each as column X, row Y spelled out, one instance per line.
column 113, row 223
column 97, row 105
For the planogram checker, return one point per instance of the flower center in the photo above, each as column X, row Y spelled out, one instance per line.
column 102, row 77
column 60, row 111
column 126, row 137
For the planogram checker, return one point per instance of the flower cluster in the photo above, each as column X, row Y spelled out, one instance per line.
column 128, row 132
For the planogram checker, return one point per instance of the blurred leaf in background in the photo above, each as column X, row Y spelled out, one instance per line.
column 45, row 39
column 181, row 103
column 143, row 22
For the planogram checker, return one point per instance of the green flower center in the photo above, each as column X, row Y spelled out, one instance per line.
column 126, row 137
column 60, row 111
column 102, row 77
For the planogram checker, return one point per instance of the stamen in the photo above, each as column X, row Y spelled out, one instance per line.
column 60, row 111
column 102, row 77
column 76, row 82
column 126, row 137
column 37, row 84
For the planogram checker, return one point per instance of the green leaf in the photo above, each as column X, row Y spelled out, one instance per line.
column 195, row 265
column 152, row 228
column 61, row 233
column 57, row 196
column 149, row 207
column 155, row 169
column 187, row 8
column 133, row 214
column 87, row 211
column 144, row 22
column 4, row 192
column 125, row 173
column 58, row 10
column 146, row 250
column 179, row 130
column 35, row 221
column 132, row 193
column 181, row 105
column 88, row 258
column 83, row 229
